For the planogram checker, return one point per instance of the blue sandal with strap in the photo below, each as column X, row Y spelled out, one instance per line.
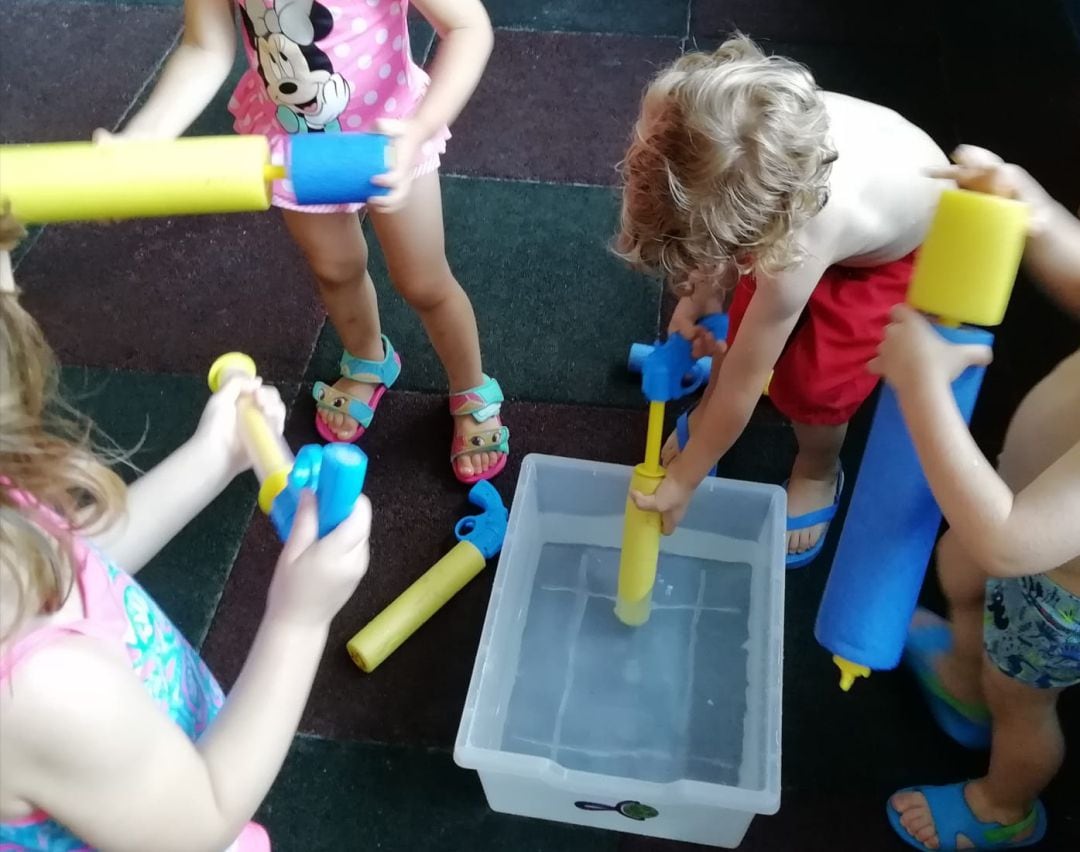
column 382, row 374
column 928, row 637
column 954, row 820
column 812, row 519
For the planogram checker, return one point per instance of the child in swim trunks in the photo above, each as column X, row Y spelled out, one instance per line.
column 345, row 66
column 1009, row 564
column 113, row 733
column 743, row 175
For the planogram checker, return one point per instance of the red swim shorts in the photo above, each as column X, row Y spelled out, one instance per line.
column 821, row 377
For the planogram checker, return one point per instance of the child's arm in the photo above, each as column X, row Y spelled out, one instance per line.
column 1009, row 535
column 1052, row 255
column 465, row 38
column 769, row 320
column 84, row 742
column 164, row 501
column 192, row 75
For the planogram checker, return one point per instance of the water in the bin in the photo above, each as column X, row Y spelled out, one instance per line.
column 659, row 702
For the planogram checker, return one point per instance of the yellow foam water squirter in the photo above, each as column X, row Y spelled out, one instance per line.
column 641, row 532
column 413, row 607
column 86, row 181
column 270, row 455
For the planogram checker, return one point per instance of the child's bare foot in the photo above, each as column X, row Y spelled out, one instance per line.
column 339, row 423
column 806, row 494
column 476, row 434
column 918, row 821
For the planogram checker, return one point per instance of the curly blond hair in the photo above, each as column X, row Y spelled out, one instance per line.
column 46, row 458
column 730, row 157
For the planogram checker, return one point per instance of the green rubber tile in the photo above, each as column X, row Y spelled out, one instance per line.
column 557, row 311
column 156, row 413
column 345, row 796
column 638, row 17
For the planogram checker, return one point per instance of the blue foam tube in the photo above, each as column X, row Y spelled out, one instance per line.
column 337, row 168
column 890, row 531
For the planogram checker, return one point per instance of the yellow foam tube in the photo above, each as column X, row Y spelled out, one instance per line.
column 641, row 532
column 84, row 181
column 640, row 552
column 966, row 268
column 270, row 455
column 385, row 633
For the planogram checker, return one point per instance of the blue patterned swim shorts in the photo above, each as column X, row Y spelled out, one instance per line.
column 1032, row 631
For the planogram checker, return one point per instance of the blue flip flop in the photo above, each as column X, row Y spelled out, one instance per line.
column 953, row 818
column 812, row 519
column 682, row 433
column 968, row 724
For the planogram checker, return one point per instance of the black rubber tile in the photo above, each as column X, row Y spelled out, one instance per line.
column 68, row 68
column 557, row 311
column 156, row 414
column 556, row 106
column 910, row 82
column 832, row 21
column 170, row 295
column 345, row 796
column 640, row 17
column 416, row 696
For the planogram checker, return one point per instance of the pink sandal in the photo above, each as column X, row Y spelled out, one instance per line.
column 483, row 403
column 382, row 374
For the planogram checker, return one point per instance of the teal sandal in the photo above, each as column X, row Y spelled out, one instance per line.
column 482, row 402
column 382, row 374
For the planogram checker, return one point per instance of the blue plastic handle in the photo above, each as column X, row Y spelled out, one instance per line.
column 668, row 369
column 335, row 473
column 889, row 533
column 487, row 530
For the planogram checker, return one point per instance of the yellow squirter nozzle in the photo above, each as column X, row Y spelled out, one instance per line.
column 849, row 671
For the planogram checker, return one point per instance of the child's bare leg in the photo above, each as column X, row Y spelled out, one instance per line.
column 334, row 246
column 964, row 585
column 813, row 478
column 412, row 240
column 1027, row 751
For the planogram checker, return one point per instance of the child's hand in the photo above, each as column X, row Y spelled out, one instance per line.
column 406, row 145
column 685, row 316
column 705, row 345
column 315, row 577
column 979, row 170
column 218, row 426
column 913, row 352
column 670, row 500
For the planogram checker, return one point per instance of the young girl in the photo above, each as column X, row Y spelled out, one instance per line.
column 743, row 174
column 1010, row 562
column 321, row 67
column 113, row 734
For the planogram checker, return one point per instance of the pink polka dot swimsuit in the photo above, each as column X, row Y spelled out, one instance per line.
column 327, row 67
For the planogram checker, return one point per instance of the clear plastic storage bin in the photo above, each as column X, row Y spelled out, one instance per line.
column 671, row 729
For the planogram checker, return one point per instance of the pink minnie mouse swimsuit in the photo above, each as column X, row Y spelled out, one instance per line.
column 327, row 67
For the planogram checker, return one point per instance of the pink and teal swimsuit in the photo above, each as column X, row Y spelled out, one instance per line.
column 117, row 611
column 327, row 67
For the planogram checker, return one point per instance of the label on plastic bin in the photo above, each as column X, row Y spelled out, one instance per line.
column 629, row 809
